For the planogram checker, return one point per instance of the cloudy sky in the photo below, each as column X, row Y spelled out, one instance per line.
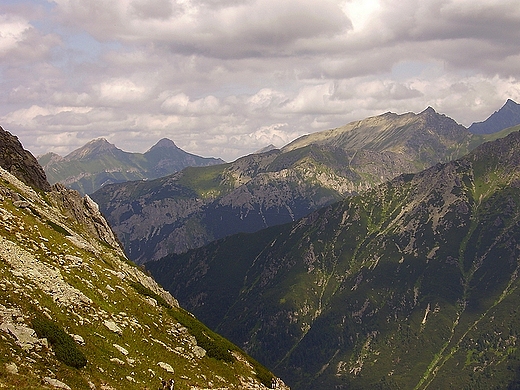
column 224, row 78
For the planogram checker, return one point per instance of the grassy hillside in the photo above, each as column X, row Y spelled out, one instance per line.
column 76, row 314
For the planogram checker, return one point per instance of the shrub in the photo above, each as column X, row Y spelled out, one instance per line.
column 216, row 346
column 58, row 228
column 64, row 347
column 149, row 293
column 263, row 374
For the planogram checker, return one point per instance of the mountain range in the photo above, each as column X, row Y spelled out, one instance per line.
column 99, row 163
column 412, row 284
column 75, row 313
column 198, row 205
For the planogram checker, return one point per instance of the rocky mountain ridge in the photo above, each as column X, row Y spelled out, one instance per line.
column 99, row 162
column 198, row 205
column 399, row 133
column 75, row 313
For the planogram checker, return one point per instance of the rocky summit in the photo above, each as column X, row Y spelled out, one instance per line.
column 75, row 313
column 410, row 285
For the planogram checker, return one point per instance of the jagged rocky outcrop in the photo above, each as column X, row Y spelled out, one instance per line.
column 412, row 284
column 198, row 205
column 99, row 163
column 20, row 162
column 507, row 116
column 75, row 313
column 85, row 212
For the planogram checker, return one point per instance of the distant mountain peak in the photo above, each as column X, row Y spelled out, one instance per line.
column 507, row 116
column 390, row 132
column 47, row 157
column 92, row 148
column 99, row 163
column 429, row 110
column 266, row 149
column 165, row 143
column 99, row 142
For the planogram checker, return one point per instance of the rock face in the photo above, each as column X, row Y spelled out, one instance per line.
column 20, row 162
column 198, row 205
column 86, row 212
column 75, row 313
column 99, row 163
column 412, row 284
column 507, row 116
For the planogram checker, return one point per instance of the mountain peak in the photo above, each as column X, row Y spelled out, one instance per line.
column 507, row 116
column 266, row 149
column 100, row 143
column 389, row 132
column 99, row 163
column 164, row 143
column 429, row 110
column 92, row 148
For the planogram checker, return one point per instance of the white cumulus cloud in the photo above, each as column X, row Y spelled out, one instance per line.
column 227, row 77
